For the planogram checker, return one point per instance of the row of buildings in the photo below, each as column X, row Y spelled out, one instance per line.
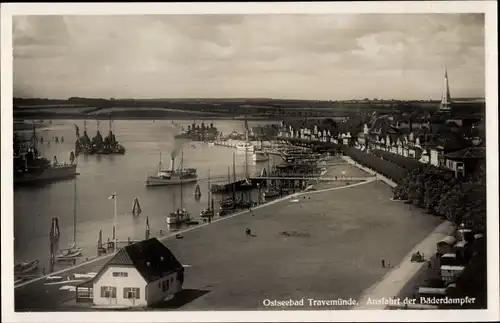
column 444, row 139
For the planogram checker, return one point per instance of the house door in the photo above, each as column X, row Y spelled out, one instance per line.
column 109, row 292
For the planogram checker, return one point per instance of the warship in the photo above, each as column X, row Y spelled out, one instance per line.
column 199, row 133
column 30, row 166
column 97, row 145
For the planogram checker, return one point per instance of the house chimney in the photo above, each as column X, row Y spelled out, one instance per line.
column 172, row 164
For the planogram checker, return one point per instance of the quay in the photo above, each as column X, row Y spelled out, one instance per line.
column 334, row 256
column 314, row 178
column 234, row 143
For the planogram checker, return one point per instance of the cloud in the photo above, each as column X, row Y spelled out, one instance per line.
column 296, row 56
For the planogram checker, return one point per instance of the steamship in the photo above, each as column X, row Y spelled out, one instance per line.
column 172, row 176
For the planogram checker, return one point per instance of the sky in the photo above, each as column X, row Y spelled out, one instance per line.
column 315, row 57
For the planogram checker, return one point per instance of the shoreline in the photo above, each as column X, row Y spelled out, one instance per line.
column 172, row 235
column 377, row 287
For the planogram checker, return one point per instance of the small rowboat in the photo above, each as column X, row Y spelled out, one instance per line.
column 207, row 213
column 69, row 253
column 25, row 267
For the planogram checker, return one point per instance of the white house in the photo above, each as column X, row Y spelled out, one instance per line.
column 139, row 275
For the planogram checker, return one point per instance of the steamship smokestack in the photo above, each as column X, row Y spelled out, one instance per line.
column 172, row 164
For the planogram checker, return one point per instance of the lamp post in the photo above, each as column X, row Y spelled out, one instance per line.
column 113, row 197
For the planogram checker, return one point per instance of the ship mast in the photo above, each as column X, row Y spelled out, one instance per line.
column 208, row 194
column 34, row 139
column 182, row 166
column 75, row 210
column 246, row 148
column 234, row 178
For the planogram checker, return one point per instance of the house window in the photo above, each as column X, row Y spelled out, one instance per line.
column 108, row 291
column 131, row 293
column 165, row 285
column 120, row 274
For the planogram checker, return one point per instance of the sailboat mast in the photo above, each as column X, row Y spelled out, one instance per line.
column 234, row 178
column 208, row 193
column 246, row 148
column 75, row 210
column 182, row 167
column 234, row 168
column 160, row 164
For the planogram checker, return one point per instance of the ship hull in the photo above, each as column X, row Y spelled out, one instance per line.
column 154, row 181
column 178, row 219
column 48, row 175
column 248, row 148
column 258, row 157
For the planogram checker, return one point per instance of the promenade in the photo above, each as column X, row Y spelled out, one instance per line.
column 336, row 239
column 402, row 275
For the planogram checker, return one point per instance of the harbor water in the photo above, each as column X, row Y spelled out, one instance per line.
column 101, row 176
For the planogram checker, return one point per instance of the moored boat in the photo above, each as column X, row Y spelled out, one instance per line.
column 179, row 216
column 207, row 213
column 25, row 267
column 30, row 166
column 248, row 147
column 69, row 253
column 172, row 176
column 260, row 156
column 271, row 192
column 73, row 251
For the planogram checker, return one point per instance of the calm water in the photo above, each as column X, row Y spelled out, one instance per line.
column 100, row 176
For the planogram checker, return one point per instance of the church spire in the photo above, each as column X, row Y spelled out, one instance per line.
column 446, row 98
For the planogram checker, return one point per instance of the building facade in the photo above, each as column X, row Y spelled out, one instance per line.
column 139, row 275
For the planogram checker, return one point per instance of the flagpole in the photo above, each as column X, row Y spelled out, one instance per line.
column 114, row 211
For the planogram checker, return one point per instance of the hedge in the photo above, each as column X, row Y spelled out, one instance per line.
column 378, row 164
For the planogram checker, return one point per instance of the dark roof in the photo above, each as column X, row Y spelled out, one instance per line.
column 468, row 153
column 151, row 258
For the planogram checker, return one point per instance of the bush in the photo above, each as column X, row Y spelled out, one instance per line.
column 431, row 188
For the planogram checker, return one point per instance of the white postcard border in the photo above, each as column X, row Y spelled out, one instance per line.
column 491, row 49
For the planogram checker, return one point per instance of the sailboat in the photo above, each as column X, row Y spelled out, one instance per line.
column 230, row 203
column 259, row 155
column 181, row 215
column 246, row 183
column 73, row 251
column 209, row 211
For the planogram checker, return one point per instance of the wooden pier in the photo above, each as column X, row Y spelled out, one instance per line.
column 317, row 178
column 108, row 246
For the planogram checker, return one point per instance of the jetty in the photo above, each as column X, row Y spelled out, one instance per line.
column 353, row 270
